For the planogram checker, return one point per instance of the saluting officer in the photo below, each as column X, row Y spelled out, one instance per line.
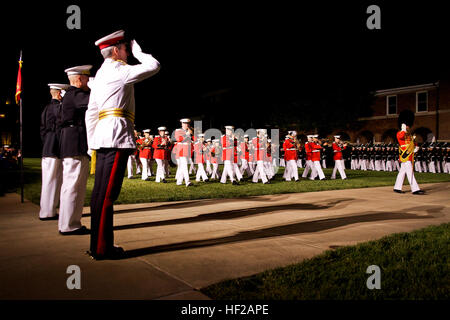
column 109, row 122
column 51, row 162
column 73, row 148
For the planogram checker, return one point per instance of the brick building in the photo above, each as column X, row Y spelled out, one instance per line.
column 430, row 103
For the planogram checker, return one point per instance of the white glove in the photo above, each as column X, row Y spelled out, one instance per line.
column 63, row 92
column 135, row 49
column 90, row 83
column 89, row 152
column 403, row 127
column 416, row 149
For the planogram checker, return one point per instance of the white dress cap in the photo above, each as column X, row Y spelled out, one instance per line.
column 84, row 70
column 58, row 86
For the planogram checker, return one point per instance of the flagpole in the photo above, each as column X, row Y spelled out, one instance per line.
column 21, row 142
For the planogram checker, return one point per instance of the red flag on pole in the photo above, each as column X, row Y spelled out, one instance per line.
column 19, row 80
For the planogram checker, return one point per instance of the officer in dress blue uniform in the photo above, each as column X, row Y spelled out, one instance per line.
column 73, row 148
column 51, row 163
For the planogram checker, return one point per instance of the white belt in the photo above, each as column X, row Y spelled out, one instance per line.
column 291, row 149
column 315, row 151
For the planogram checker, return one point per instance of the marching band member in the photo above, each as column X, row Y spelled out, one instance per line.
column 259, row 151
column 290, row 156
column 245, row 157
column 132, row 160
column 309, row 165
column 183, row 138
column 160, row 145
column 167, row 155
column 144, row 154
column 51, row 163
column 199, row 158
column 406, row 156
column 228, row 155
column 315, row 158
column 337, row 156
column 74, row 151
column 215, row 156
column 208, row 156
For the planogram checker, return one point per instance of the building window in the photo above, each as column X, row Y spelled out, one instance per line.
column 391, row 104
column 422, row 101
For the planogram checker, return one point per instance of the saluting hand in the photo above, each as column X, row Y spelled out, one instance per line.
column 135, row 48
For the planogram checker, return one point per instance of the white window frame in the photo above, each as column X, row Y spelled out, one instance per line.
column 417, row 101
column 387, row 104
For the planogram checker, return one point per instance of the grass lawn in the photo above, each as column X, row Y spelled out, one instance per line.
column 413, row 266
column 138, row 191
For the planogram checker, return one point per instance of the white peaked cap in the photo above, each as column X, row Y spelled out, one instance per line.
column 245, row 135
column 229, row 127
column 200, row 135
column 337, row 137
column 209, row 139
column 58, row 86
column 110, row 39
column 185, row 120
column 216, row 140
column 85, row 70
column 162, row 129
column 146, row 130
column 315, row 136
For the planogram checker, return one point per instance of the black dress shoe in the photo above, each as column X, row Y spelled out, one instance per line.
column 399, row 191
column 419, row 192
column 49, row 218
column 114, row 253
column 80, row 231
column 207, row 180
column 268, row 182
column 235, row 183
column 164, row 181
column 190, row 184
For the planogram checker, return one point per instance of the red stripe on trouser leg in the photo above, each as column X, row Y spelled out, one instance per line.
column 107, row 202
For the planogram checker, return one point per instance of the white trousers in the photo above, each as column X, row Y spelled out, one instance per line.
column 73, row 191
column 132, row 161
column 417, row 166
column 166, row 168
column 208, row 167
column 245, row 167
column 160, row 170
column 308, row 166
column 377, row 165
column 447, row 166
column 406, row 169
column 354, row 164
column 396, row 165
column 389, row 165
column 191, row 167
column 363, row 165
column 237, row 172
column 215, row 171
column 51, row 186
column 227, row 171
column 145, row 170
column 260, row 172
column 324, row 163
column 291, row 170
column 424, row 166
column 201, row 173
column 182, row 172
column 251, row 165
column 338, row 165
column 317, row 171
column 432, row 167
column 299, row 163
column 282, row 163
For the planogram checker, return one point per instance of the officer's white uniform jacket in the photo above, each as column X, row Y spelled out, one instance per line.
column 113, row 87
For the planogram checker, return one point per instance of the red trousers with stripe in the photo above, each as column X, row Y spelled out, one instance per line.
column 109, row 173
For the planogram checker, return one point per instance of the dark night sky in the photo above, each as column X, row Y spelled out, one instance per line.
column 266, row 52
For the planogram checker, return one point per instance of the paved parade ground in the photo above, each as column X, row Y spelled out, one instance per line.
column 176, row 248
